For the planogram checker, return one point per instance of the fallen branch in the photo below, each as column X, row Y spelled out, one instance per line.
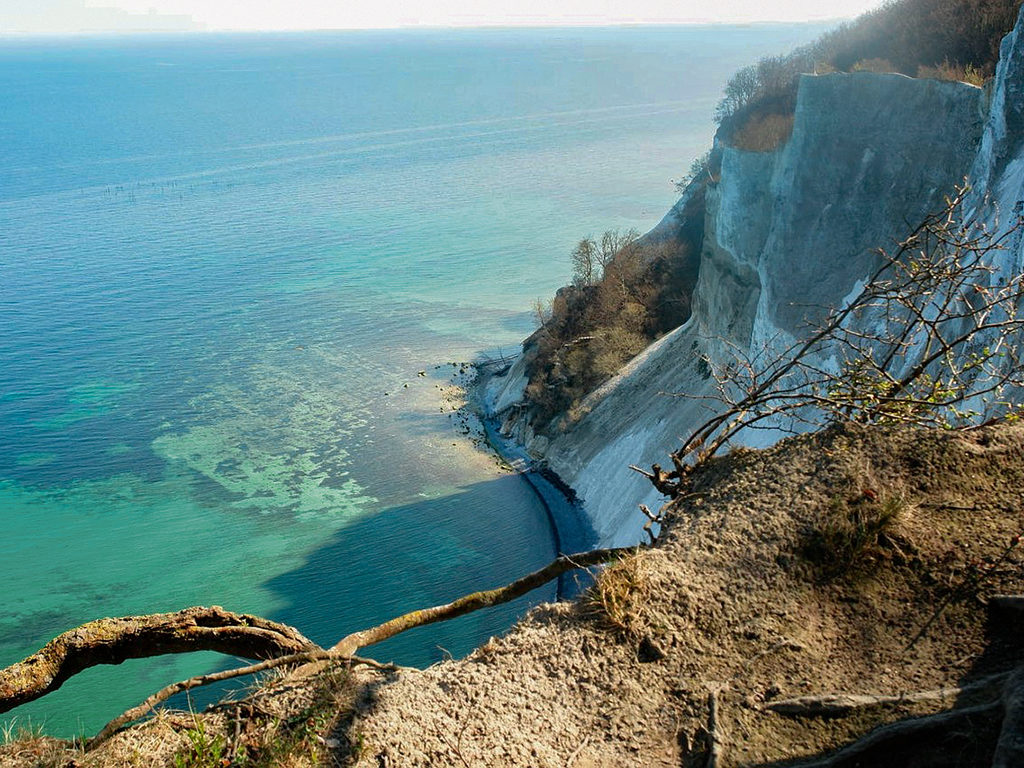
column 889, row 737
column 112, row 641
column 474, row 602
column 841, row 704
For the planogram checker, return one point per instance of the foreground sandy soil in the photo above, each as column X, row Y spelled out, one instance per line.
column 860, row 562
column 749, row 597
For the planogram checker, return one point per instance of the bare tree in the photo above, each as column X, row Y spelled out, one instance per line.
column 590, row 258
column 932, row 339
column 741, row 89
column 585, row 263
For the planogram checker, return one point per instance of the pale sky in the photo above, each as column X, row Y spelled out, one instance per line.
column 77, row 16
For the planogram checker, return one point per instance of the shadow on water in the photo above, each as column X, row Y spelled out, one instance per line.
column 417, row 555
column 414, row 556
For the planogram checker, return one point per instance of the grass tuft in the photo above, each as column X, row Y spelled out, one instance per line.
column 854, row 532
column 620, row 595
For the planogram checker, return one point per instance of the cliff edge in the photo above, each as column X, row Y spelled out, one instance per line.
column 788, row 234
column 740, row 603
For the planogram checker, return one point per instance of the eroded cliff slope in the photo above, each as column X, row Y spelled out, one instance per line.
column 787, row 234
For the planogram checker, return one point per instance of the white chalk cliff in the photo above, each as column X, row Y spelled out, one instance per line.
column 869, row 157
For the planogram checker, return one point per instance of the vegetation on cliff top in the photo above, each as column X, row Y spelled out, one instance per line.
column 634, row 290
column 943, row 39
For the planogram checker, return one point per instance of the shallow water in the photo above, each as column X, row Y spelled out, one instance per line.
column 223, row 258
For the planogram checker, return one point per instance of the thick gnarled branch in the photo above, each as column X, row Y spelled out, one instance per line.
column 113, row 641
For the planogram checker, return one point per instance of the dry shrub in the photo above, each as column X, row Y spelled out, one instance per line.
column 854, row 532
column 764, row 133
column 880, row 66
column 620, row 595
column 953, row 72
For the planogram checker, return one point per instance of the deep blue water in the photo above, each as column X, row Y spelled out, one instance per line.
column 222, row 258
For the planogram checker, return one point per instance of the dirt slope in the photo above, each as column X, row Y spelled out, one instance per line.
column 749, row 594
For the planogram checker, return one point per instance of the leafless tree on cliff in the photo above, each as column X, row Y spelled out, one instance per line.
column 934, row 338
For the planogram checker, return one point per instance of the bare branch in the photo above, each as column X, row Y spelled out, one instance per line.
column 930, row 340
column 350, row 644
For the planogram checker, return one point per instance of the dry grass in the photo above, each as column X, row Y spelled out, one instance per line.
column 879, row 66
column 24, row 745
column 283, row 723
column 620, row 595
column 954, row 73
column 855, row 531
column 764, row 133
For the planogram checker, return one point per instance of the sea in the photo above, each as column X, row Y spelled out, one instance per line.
column 235, row 272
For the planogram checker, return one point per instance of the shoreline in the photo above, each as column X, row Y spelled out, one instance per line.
column 571, row 530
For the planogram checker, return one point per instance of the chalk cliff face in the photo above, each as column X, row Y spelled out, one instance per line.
column 787, row 233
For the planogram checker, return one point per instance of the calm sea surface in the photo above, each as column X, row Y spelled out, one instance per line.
column 222, row 258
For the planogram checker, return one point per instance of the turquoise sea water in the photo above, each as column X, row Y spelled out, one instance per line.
column 222, row 258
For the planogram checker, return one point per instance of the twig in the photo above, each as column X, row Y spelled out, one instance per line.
column 577, row 752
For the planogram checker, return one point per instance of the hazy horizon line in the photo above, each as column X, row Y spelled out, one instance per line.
column 601, row 24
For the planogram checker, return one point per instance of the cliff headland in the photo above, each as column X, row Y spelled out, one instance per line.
column 849, row 595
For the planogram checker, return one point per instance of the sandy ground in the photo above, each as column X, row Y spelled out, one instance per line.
column 734, row 603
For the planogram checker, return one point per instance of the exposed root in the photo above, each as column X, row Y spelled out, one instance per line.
column 841, row 704
column 112, row 641
column 716, row 743
column 1009, row 707
column 906, row 732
